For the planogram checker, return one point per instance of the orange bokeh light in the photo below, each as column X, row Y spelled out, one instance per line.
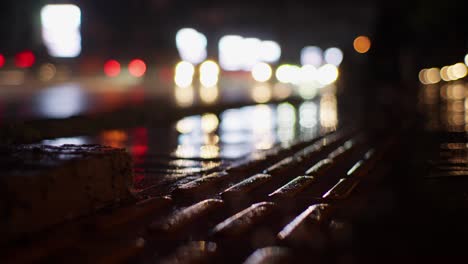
column 362, row 44
column 112, row 68
column 137, row 67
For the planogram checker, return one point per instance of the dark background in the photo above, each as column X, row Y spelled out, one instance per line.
column 410, row 34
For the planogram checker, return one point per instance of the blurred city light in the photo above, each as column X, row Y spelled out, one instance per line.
column 25, row 59
column 250, row 53
column 308, row 92
column 209, row 123
column 209, row 72
column 286, row 122
column 288, row 74
column 261, row 93
column 209, row 95
column 230, row 48
column 47, row 72
column 327, row 74
column 308, row 74
column 282, row 91
column 137, row 68
column 466, row 60
column 333, row 56
column 362, row 44
column 308, row 115
column 422, row 76
column 61, row 101
column 61, row 29
column 432, row 75
column 270, row 51
column 238, row 53
column 2, row 60
column 183, row 75
column 261, row 72
column 184, row 96
column 112, row 68
column 457, row 71
column 312, row 55
column 191, row 45
column 443, row 74
column 328, row 111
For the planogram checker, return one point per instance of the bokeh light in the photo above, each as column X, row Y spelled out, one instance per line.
column 184, row 96
column 327, row 74
column 209, row 123
column 61, row 29
column 209, row 72
column 443, row 74
column 183, row 74
column 209, row 95
column 466, row 60
column 261, row 72
column 333, row 56
column 261, row 93
column 362, row 44
column 312, row 55
column 432, row 75
column 47, row 72
column 457, row 71
column 112, row 68
column 191, row 45
column 137, row 67
column 270, row 51
column 25, row 59
column 308, row 74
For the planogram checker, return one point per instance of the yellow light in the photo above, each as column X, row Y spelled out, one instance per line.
column 458, row 70
column 261, row 93
column 422, row 76
column 209, row 71
column 209, row 123
column 183, row 75
column 209, row 151
column 261, row 72
column 362, row 44
column 432, row 75
column 328, row 111
column 209, row 95
column 184, row 96
column 444, row 73
column 466, row 59
column 327, row 74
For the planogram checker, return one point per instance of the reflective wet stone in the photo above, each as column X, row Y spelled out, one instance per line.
column 319, row 167
column 342, row 189
column 244, row 220
column 127, row 214
column 200, row 185
column 245, row 186
column 184, row 217
column 270, row 255
column 293, row 187
column 307, row 226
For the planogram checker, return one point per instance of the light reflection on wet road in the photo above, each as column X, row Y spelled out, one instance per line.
column 200, row 143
